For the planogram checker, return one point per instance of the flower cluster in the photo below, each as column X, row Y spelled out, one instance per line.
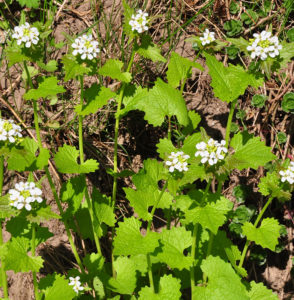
column 75, row 282
column 139, row 21
column 23, row 194
column 264, row 45
column 9, row 131
column 212, row 151
column 208, row 37
column 26, row 34
column 86, row 47
column 288, row 174
column 178, row 161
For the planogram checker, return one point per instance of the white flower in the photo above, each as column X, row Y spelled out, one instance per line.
column 264, row 45
column 26, row 34
column 139, row 22
column 9, row 131
column 178, row 161
column 86, row 47
column 288, row 174
column 211, row 152
column 207, row 38
column 23, row 194
column 75, row 282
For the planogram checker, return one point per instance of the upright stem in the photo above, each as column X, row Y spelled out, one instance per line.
column 169, row 128
column 117, row 119
column 33, row 254
column 229, row 123
column 81, row 148
column 52, row 186
column 260, row 215
column 194, row 237
column 3, row 272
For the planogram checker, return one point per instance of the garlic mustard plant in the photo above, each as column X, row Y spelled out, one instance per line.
column 178, row 161
column 264, row 45
column 26, row 34
column 288, row 174
column 208, row 37
column 76, row 284
column 86, row 47
column 9, row 131
column 212, row 151
column 139, row 22
column 23, row 194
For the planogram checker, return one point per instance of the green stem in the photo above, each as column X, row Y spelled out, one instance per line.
column 116, row 127
column 169, row 128
column 33, row 255
column 150, row 275
column 3, row 272
column 81, row 148
column 229, row 123
column 260, row 215
column 194, row 244
column 209, row 247
column 52, row 186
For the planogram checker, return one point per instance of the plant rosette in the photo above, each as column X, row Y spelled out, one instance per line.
column 264, row 45
column 24, row 194
column 25, row 34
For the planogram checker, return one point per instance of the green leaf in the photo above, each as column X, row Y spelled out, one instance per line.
column 223, row 282
column 286, row 53
column 125, row 280
column 51, row 66
column 41, row 214
column 260, row 292
column 161, row 101
column 258, row 100
column 211, row 216
column 288, row 103
column 15, row 55
column 66, row 161
column 128, row 12
column 174, row 242
column 20, row 261
column 93, row 262
column 29, row 3
column 290, row 34
column 56, row 287
column 229, row 82
column 250, row 152
column 24, row 158
column 148, row 50
column 233, row 27
column 96, row 97
column 194, row 120
column 129, row 240
column 249, row 17
column 180, row 68
column 169, row 289
column 266, row 235
column 165, row 147
column 72, row 192
column 72, row 67
column 6, row 210
column 48, row 87
column 112, row 68
column 271, row 185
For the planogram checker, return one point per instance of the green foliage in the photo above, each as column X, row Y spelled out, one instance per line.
column 20, row 261
column 179, row 69
column 66, row 161
column 169, row 289
column 6, row 210
column 55, row 287
column 174, row 242
column 130, row 241
column 148, row 50
column 266, row 235
column 229, row 82
column 223, row 282
column 160, row 101
column 24, row 158
column 290, row 34
column 233, row 27
column 112, row 68
column 258, row 100
column 259, row 292
column 96, row 97
column 240, row 43
column 281, row 137
column 41, row 214
column 29, row 3
column 250, row 152
column 73, row 68
column 249, row 17
column 288, row 102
